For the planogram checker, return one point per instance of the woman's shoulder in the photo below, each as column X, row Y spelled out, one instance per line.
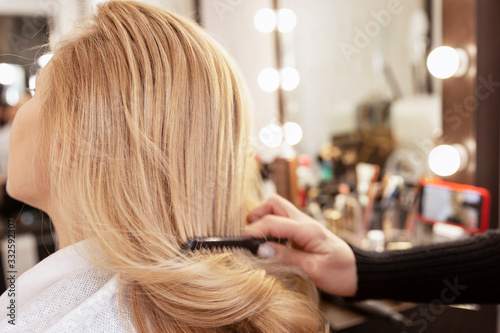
column 66, row 293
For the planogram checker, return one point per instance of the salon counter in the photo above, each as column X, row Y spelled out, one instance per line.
column 425, row 318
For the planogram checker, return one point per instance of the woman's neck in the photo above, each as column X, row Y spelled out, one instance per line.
column 61, row 227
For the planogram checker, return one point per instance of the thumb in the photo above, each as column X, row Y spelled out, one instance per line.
column 290, row 256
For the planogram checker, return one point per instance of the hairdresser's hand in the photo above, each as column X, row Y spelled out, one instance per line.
column 327, row 259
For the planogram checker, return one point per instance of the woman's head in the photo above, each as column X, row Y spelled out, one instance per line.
column 146, row 117
column 145, row 121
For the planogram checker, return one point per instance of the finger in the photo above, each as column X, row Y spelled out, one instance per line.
column 273, row 205
column 277, row 248
column 303, row 234
column 266, row 251
column 257, row 213
column 273, row 226
column 290, row 256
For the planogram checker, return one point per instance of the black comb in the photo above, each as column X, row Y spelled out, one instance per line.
column 249, row 243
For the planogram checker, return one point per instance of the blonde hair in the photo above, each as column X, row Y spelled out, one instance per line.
column 147, row 122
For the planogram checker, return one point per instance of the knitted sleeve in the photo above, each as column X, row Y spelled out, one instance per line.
column 466, row 271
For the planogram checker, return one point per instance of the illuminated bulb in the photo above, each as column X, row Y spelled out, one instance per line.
column 444, row 62
column 286, row 20
column 271, row 135
column 445, row 160
column 7, row 74
column 265, row 20
column 32, row 84
column 269, row 79
column 293, row 133
column 12, row 96
column 290, row 78
column 44, row 60
column 96, row 2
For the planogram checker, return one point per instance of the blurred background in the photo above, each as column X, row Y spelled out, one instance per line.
column 379, row 118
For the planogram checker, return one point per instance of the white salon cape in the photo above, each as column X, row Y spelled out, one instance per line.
column 64, row 293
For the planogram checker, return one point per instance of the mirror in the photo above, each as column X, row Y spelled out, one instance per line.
column 458, row 204
column 362, row 69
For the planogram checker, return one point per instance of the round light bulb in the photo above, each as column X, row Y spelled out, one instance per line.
column 265, row 20
column 32, row 84
column 290, row 78
column 271, row 135
column 96, row 2
column 293, row 133
column 444, row 62
column 287, row 20
column 7, row 74
column 12, row 96
column 444, row 160
column 44, row 60
column 269, row 79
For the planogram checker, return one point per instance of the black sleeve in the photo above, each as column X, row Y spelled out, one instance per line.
column 466, row 271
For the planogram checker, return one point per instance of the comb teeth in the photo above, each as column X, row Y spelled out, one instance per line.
column 249, row 243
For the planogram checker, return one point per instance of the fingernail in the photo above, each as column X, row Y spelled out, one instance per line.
column 265, row 251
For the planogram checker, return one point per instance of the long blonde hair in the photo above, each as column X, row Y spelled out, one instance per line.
column 147, row 123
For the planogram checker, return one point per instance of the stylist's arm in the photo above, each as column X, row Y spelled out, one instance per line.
column 328, row 260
